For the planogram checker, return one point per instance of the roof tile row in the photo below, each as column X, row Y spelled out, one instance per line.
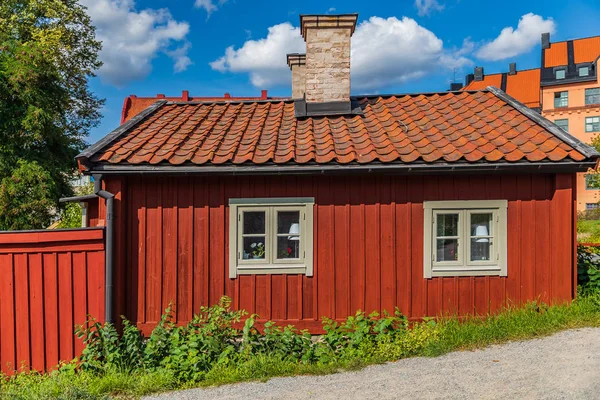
column 450, row 127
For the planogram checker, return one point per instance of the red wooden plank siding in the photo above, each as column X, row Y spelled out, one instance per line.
column 368, row 249
column 44, row 291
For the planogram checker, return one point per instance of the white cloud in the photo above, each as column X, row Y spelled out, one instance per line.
column 384, row 52
column 209, row 5
column 131, row 39
column 512, row 42
column 182, row 61
column 425, row 7
column 265, row 58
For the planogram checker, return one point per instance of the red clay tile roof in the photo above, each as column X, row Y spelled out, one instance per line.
column 482, row 126
column 585, row 50
column 133, row 105
column 523, row 86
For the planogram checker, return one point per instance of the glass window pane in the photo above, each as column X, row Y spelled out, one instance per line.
column 254, row 222
column 592, row 124
column 254, row 248
column 447, row 225
column 481, row 224
column 592, row 96
column 560, row 74
column 561, row 99
column 480, row 249
column 447, row 249
column 288, row 222
column 288, row 247
column 563, row 124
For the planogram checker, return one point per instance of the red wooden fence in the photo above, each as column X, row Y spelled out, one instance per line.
column 49, row 282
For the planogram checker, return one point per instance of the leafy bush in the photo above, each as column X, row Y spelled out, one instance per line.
column 211, row 349
column 588, row 269
column 211, row 342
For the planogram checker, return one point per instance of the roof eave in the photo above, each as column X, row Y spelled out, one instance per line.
column 84, row 156
column 570, row 166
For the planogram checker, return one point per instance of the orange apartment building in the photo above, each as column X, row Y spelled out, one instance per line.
column 565, row 90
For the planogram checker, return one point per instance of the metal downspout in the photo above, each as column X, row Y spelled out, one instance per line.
column 109, row 251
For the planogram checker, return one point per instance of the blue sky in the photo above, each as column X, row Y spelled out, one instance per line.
column 162, row 46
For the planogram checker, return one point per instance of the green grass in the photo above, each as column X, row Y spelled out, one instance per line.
column 588, row 231
column 449, row 334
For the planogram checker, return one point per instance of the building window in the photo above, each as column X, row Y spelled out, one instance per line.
column 592, row 96
column 271, row 236
column 562, row 124
column 584, row 71
column 592, row 124
column 465, row 238
column 561, row 99
column 592, row 206
column 560, row 74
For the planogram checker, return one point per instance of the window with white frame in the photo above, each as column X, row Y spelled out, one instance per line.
column 592, row 96
column 271, row 236
column 465, row 238
column 560, row 73
column 592, row 124
column 561, row 99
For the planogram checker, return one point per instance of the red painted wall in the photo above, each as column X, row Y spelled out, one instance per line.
column 49, row 282
column 368, row 246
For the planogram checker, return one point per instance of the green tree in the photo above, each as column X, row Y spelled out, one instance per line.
column 593, row 177
column 48, row 52
column 25, row 198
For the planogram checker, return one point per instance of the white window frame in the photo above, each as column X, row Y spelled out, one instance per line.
column 563, row 101
column 271, row 264
column 592, row 98
column 594, row 122
column 463, row 266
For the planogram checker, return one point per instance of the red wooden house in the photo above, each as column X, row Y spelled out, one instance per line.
column 324, row 204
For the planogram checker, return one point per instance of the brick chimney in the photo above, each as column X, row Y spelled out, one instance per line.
column 297, row 63
column 328, row 61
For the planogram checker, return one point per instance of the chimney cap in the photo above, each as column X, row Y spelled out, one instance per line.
column 296, row 59
column 327, row 21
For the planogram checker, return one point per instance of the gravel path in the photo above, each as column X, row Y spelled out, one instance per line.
column 563, row 366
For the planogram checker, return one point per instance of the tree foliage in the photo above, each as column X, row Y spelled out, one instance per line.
column 48, row 52
column 25, row 198
column 72, row 213
column 593, row 177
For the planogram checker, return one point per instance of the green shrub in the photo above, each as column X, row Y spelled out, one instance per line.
column 588, row 269
column 211, row 349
